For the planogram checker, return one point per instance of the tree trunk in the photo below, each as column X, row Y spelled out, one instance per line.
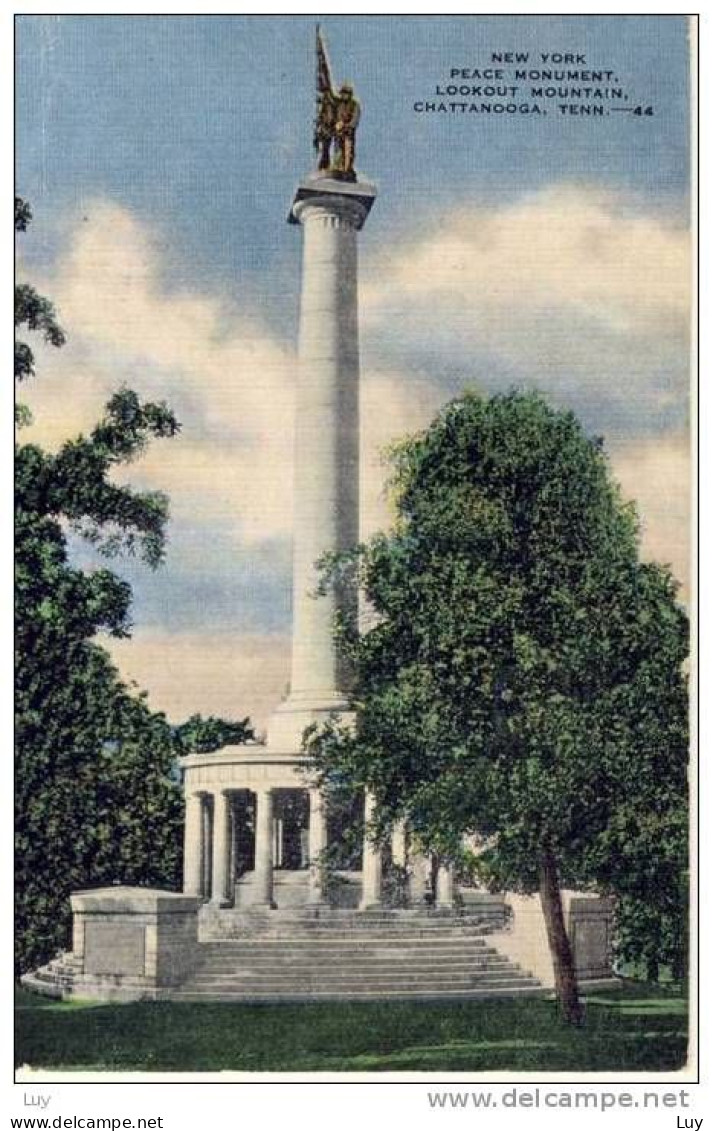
column 560, row 948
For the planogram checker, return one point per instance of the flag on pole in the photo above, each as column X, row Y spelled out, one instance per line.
column 324, row 75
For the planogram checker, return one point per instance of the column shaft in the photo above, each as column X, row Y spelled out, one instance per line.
column 444, row 887
column 263, row 848
column 371, row 863
column 206, row 845
column 317, row 845
column 420, row 879
column 326, row 439
column 192, row 845
column 398, row 844
column 219, row 885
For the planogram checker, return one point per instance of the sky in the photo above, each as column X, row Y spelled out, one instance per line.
column 160, row 155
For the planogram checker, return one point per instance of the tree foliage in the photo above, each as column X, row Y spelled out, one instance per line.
column 200, row 735
column 521, row 680
column 96, row 802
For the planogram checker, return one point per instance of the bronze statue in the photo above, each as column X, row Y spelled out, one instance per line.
column 336, row 122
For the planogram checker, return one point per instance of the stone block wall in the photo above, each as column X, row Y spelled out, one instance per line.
column 588, row 918
column 131, row 943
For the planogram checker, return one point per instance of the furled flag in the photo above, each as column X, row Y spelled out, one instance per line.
column 324, row 75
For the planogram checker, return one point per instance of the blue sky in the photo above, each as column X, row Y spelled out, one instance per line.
column 160, row 155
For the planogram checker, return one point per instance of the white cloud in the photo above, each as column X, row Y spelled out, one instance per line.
column 392, row 406
column 226, row 376
column 656, row 473
column 574, row 289
column 213, row 674
column 230, row 381
column 567, row 247
column 569, row 285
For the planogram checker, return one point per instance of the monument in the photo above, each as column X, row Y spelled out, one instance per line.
column 331, row 206
column 255, row 824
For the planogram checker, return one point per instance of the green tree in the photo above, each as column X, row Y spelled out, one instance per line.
column 200, row 735
column 521, row 678
column 94, row 797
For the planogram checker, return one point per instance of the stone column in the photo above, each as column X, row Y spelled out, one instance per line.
column 263, row 848
column 420, row 879
column 371, row 864
column 444, row 887
column 221, row 848
column 317, row 845
column 398, row 844
column 326, row 485
column 193, row 844
column 207, row 843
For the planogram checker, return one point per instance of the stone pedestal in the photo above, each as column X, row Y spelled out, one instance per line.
column 130, row 943
column 589, row 921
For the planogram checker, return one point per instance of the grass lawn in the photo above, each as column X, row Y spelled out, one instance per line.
column 634, row 1028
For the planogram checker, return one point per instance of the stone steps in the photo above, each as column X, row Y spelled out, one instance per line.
column 384, row 980
column 361, row 960
column 356, row 957
column 377, row 932
column 422, row 994
column 256, row 967
column 331, row 942
column 227, row 924
column 47, row 987
column 351, row 918
column 386, row 948
column 334, row 956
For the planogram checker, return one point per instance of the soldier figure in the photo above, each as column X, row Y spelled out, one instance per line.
column 324, row 128
column 347, row 119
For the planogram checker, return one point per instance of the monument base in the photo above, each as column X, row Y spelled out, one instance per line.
column 129, row 944
column 288, row 723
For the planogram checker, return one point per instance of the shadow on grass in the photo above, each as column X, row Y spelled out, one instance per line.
column 636, row 1028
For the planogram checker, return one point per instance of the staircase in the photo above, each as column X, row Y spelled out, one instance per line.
column 298, row 956
column 55, row 979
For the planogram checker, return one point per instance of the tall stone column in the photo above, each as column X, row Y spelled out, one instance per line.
column 326, row 485
column 371, row 868
column 317, row 845
column 221, row 848
column 192, row 845
column 263, row 848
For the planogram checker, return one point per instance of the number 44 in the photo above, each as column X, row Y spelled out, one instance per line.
column 647, row 110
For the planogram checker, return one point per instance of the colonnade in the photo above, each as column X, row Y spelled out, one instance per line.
column 209, row 847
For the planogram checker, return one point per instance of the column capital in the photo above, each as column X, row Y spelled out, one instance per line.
column 348, row 202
